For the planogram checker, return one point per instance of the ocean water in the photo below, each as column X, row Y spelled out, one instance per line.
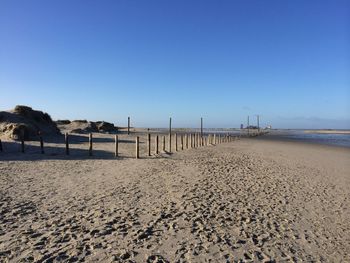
column 318, row 138
column 287, row 135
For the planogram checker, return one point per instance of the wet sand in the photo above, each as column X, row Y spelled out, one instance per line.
column 245, row 201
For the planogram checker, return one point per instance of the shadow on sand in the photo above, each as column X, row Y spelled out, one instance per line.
column 12, row 151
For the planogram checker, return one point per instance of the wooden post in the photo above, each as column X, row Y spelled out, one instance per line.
column 175, row 142
column 41, row 144
column 0, row 146
column 22, row 145
column 149, row 144
column 214, row 138
column 186, row 140
column 128, row 125
column 182, row 142
column 201, row 127
column 248, row 125
column 156, row 145
column 170, row 135
column 90, row 144
column 116, row 146
column 67, row 143
column 22, row 141
column 163, row 143
column 169, row 142
column 137, row 155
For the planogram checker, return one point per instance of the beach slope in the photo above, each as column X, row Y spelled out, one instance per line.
column 249, row 200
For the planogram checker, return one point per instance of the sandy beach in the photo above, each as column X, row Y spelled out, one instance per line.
column 245, row 201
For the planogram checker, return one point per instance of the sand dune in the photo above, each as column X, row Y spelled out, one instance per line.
column 244, row 201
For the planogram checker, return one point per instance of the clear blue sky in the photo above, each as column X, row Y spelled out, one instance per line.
column 288, row 61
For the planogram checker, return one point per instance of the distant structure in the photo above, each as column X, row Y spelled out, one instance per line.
column 241, row 126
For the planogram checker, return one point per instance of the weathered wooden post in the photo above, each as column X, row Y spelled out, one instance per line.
column 149, row 144
column 116, row 146
column 0, row 146
column 201, row 127
column 182, row 142
column 66, row 140
column 175, row 142
column 128, row 125
column 186, row 140
column 170, row 135
column 163, row 143
column 248, row 125
column 22, row 141
column 90, row 144
column 137, row 155
column 41, row 144
column 169, row 141
column 214, row 138
column 156, row 145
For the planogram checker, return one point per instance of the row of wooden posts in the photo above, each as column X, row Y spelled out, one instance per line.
column 186, row 141
column 182, row 141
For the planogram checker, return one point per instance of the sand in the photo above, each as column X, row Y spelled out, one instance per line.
column 245, row 201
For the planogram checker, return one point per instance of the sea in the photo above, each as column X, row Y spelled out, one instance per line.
column 297, row 135
column 311, row 136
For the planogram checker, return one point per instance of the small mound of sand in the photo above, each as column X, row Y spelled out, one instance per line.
column 25, row 122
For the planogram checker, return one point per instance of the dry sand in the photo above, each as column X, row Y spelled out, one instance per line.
column 245, row 201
